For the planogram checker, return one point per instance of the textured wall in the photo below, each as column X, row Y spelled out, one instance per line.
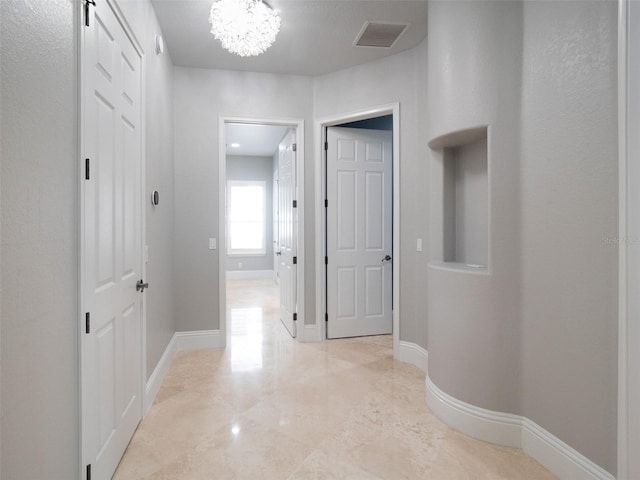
column 40, row 224
column 39, row 241
column 569, row 209
column 200, row 97
column 396, row 80
column 537, row 336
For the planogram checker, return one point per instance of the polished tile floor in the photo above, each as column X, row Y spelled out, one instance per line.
column 268, row 407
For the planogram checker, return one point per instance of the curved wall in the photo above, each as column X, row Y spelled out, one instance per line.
column 474, row 78
column 534, row 335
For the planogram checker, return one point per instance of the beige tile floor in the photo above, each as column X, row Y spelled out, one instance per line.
column 268, row 407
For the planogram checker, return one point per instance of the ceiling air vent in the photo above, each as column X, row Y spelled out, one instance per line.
column 379, row 34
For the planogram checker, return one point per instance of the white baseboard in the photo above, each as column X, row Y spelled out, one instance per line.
column 308, row 333
column 199, row 339
column 488, row 425
column 514, row 431
column 179, row 342
column 157, row 377
column 413, row 354
column 557, row 456
column 248, row 274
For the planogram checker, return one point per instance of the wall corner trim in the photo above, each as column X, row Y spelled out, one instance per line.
column 513, row 431
column 413, row 354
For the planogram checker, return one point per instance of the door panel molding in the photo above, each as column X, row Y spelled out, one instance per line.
column 359, row 232
column 126, row 62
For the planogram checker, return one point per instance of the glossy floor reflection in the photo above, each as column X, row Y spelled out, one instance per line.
column 268, row 407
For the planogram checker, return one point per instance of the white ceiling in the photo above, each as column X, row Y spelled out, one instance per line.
column 254, row 140
column 316, row 36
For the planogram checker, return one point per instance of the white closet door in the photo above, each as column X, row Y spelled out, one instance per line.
column 112, row 237
column 359, row 232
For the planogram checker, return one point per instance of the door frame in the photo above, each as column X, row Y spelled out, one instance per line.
column 82, row 66
column 298, row 125
column 320, row 174
column 629, row 238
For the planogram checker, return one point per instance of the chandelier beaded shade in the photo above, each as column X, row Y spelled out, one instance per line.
column 244, row 27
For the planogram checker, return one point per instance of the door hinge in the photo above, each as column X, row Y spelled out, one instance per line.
column 295, row 317
column 326, row 260
column 295, row 204
column 89, row 472
column 326, row 145
column 87, row 322
column 326, row 203
column 87, row 165
column 295, row 260
column 294, row 147
column 326, row 317
column 86, row 10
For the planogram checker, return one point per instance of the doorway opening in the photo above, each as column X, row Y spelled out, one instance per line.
column 360, row 179
column 260, row 214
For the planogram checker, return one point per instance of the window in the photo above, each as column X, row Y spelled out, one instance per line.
column 246, row 212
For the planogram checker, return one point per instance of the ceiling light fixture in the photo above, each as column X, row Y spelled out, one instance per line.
column 244, row 27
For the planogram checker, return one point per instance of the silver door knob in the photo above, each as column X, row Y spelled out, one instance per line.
column 278, row 253
column 141, row 285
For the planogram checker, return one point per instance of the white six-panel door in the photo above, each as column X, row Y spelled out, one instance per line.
column 359, row 232
column 111, row 242
column 287, row 231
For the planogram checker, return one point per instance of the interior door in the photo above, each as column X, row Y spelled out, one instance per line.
column 111, row 242
column 287, row 231
column 359, row 232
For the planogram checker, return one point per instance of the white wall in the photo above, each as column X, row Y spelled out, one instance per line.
column 39, row 421
column 569, row 208
column 40, row 223
column 390, row 80
column 537, row 335
column 200, row 97
column 259, row 169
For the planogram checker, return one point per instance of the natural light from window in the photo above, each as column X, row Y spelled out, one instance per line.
column 246, row 211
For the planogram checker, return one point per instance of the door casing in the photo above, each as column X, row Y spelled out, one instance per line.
column 320, row 224
column 628, row 462
column 298, row 125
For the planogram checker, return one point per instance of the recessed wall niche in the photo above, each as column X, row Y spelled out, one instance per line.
column 465, row 197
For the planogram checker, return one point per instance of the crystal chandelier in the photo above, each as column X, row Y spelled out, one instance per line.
column 244, row 27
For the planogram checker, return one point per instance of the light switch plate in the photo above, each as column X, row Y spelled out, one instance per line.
column 213, row 244
column 419, row 245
